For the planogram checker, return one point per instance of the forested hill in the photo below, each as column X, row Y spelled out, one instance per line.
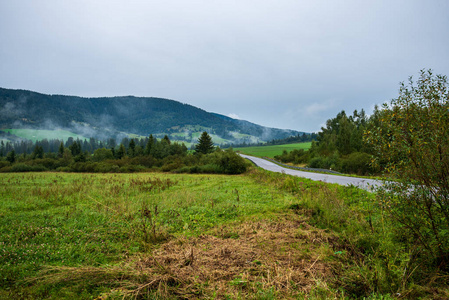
column 128, row 114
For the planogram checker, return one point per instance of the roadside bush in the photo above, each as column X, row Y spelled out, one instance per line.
column 296, row 156
column 330, row 162
column 231, row 163
column 357, row 162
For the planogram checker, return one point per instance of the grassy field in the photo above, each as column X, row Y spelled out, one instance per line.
column 272, row 151
column 35, row 134
column 165, row 236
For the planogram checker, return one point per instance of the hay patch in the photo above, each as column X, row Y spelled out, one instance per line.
column 280, row 256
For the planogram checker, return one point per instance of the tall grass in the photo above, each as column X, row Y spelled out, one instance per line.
column 373, row 261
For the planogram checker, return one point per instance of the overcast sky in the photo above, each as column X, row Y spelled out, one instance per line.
column 281, row 63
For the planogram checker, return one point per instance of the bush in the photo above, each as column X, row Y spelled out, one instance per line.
column 106, row 168
column 4, row 163
column 232, row 163
column 357, row 162
column 48, row 163
column 331, row 162
column 21, row 167
column 132, row 169
column 204, row 169
column 6, row 169
column 297, row 156
column 172, row 166
column 102, row 154
column 87, row 167
column 209, row 169
column 146, row 161
column 64, row 169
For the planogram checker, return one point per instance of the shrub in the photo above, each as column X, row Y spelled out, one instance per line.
column 331, row 162
column 146, row 161
column 132, row 169
column 106, row 168
column 64, row 169
column 357, row 162
column 4, row 163
column 102, row 154
column 21, row 167
column 49, row 163
column 172, row 166
column 84, row 167
column 232, row 163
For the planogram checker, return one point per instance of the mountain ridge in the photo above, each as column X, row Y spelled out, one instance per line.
column 104, row 117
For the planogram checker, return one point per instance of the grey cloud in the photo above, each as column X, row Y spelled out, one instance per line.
column 260, row 60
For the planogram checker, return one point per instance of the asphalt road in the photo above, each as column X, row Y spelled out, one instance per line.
column 363, row 183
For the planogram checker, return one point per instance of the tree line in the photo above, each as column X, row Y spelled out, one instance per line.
column 339, row 146
column 131, row 155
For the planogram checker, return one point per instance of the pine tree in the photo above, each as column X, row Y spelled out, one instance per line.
column 11, row 157
column 205, row 144
column 167, row 139
column 121, row 152
column 38, row 152
column 149, row 145
column 61, row 150
column 131, row 148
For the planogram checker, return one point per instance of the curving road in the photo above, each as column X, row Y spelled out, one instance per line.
column 363, row 183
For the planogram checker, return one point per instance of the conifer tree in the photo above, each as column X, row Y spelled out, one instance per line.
column 149, row 145
column 131, row 148
column 61, row 150
column 11, row 157
column 121, row 152
column 205, row 144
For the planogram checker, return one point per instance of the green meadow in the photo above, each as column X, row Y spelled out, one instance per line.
column 40, row 134
column 272, row 151
column 259, row 235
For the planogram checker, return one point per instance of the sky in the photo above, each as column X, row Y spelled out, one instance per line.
column 288, row 64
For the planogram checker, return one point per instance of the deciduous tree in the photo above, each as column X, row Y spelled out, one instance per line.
column 411, row 139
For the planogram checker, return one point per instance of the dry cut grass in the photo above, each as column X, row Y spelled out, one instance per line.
column 285, row 258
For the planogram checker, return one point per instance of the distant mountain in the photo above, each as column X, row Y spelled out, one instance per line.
column 114, row 116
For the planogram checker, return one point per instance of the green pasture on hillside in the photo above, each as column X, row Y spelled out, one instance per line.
column 40, row 134
column 272, row 151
